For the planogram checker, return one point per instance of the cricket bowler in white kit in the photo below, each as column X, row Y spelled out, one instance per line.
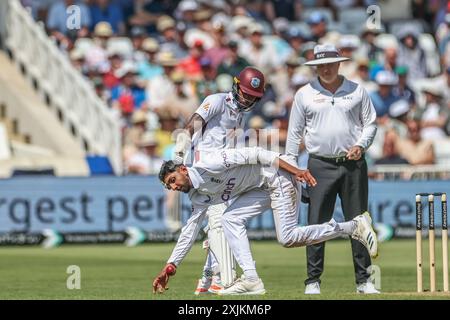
column 213, row 127
column 253, row 180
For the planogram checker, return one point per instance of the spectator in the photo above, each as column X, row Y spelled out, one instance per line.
column 233, row 63
column 110, row 79
column 145, row 161
column 138, row 34
column 402, row 89
column 259, row 54
column 390, row 152
column 184, row 103
column 207, row 85
column 133, row 135
column 149, row 68
column 318, row 24
column 296, row 40
column 399, row 116
column 191, row 64
column 414, row 149
column 347, row 45
column 383, row 97
column 164, row 135
column 435, row 114
column 368, row 48
column 411, row 54
column 105, row 10
column 58, row 20
column 127, row 96
column 219, row 51
column 169, row 37
column 160, row 88
column 362, row 76
column 185, row 12
column 97, row 56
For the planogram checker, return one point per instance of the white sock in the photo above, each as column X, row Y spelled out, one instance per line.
column 251, row 275
column 347, row 227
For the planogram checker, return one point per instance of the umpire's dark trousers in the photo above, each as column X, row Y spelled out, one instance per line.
column 349, row 180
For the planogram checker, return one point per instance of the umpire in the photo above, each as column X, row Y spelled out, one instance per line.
column 336, row 119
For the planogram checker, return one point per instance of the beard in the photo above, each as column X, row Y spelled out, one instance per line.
column 185, row 189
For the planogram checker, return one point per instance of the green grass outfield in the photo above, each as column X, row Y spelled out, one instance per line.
column 118, row 272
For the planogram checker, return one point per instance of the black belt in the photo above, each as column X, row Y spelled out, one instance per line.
column 331, row 160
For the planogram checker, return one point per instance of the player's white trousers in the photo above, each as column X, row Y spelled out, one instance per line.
column 283, row 198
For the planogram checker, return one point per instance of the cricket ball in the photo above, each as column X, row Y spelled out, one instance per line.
column 170, row 270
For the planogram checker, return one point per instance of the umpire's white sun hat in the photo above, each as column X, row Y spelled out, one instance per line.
column 325, row 53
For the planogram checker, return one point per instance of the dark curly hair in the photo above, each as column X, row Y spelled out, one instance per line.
column 167, row 168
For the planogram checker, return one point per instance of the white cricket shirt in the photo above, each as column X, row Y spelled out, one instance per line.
column 221, row 177
column 331, row 124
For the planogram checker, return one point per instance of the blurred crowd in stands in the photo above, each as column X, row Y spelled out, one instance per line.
column 153, row 62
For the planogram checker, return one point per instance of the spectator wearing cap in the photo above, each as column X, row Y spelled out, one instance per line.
column 185, row 11
column 138, row 34
column 184, row 102
column 169, row 37
column 415, row 149
column 368, row 48
column 105, row 10
column 259, row 53
column 411, row 54
column 191, row 64
column 308, row 51
column 202, row 20
column 362, row 75
column 336, row 120
column 402, row 89
column 110, row 78
column 296, row 39
column 233, row 62
column 219, row 51
column 434, row 115
column 207, row 85
column 384, row 97
column 347, row 45
column 57, row 18
column 168, row 123
column 160, row 88
column 97, row 55
column 138, row 127
column 145, row 161
column 127, row 96
column 149, row 68
column 281, row 80
column 318, row 24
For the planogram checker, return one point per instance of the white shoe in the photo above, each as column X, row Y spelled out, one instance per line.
column 365, row 234
column 312, row 288
column 202, row 286
column 244, row 287
column 367, row 288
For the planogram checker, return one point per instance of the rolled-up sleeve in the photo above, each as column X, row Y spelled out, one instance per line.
column 297, row 123
column 368, row 118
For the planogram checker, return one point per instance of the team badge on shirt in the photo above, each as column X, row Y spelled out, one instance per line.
column 255, row 82
column 206, row 106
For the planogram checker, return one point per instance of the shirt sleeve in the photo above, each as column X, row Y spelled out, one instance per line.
column 368, row 118
column 209, row 108
column 188, row 235
column 297, row 123
column 223, row 160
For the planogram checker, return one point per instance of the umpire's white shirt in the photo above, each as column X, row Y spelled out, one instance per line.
column 331, row 124
column 219, row 177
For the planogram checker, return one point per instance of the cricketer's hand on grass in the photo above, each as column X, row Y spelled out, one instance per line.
column 161, row 281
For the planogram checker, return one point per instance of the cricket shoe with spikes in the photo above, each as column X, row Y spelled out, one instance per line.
column 216, row 285
column 203, row 285
column 243, row 286
column 365, row 234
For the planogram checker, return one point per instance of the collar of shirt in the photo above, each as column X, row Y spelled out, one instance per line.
column 195, row 177
column 229, row 100
column 344, row 87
